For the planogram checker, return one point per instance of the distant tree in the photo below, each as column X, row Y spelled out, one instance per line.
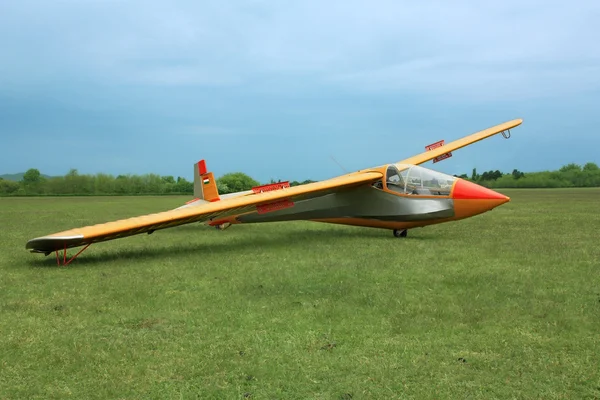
column 489, row 176
column 167, row 184
column 122, row 185
column 305, row 182
column 237, row 181
column 591, row 167
column 168, row 179
column 32, row 176
column 223, row 188
column 79, row 184
column 462, row 176
column 474, row 175
column 104, row 184
column 570, row 167
column 152, row 184
column 184, row 186
column 8, row 187
column 32, row 181
column 517, row 174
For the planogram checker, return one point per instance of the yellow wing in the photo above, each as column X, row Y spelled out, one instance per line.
column 168, row 219
column 457, row 144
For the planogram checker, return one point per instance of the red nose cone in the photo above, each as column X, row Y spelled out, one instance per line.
column 470, row 191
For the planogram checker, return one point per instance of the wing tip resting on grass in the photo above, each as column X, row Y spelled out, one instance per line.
column 47, row 244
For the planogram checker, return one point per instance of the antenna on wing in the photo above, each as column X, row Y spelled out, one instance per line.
column 339, row 165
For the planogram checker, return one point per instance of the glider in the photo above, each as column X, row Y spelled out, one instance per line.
column 397, row 196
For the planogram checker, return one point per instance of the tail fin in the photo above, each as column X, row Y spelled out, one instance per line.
column 205, row 186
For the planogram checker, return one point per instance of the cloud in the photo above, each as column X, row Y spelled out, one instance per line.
column 475, row 79
column 460, row 48
column 289, row 82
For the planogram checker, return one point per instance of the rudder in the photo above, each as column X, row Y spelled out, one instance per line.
column 205, row 186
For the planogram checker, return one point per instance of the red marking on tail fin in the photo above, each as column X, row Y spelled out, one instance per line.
column 202, row 167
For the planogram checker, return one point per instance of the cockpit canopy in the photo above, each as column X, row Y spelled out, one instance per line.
column 416, row 180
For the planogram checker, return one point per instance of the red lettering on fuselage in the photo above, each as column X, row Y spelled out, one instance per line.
column 275, row 206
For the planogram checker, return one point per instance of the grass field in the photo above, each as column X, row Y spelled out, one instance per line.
column 502, row 305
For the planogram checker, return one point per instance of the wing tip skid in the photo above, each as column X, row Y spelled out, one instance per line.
column 51, row 243
column 515, row 122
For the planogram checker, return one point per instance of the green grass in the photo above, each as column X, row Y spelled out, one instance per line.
column 502, row 305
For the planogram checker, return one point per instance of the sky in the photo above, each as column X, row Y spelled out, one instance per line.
column 295, row 90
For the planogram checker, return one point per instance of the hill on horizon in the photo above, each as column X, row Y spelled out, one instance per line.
column 19, row 176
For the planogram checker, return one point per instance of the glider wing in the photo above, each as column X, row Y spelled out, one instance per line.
column 457, row 144
column 262, row 202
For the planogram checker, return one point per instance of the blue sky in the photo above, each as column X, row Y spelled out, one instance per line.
column 275, row 89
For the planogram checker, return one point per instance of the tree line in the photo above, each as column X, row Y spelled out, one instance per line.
column 34, row 183
column 570, row 175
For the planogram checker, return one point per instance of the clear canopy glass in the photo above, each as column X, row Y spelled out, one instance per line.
column 416, row 180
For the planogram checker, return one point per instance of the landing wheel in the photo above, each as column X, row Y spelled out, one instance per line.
column 400, row 233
